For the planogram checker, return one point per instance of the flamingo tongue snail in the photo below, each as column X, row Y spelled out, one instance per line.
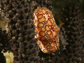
column 47, row 30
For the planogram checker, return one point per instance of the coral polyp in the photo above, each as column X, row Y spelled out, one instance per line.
column 47, row 30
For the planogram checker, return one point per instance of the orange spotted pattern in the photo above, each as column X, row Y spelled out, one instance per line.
column 47, row 30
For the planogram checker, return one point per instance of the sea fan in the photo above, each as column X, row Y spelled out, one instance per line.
column 21, row 31
column 72, row 31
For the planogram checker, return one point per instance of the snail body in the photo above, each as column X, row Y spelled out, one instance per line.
column 47, row 30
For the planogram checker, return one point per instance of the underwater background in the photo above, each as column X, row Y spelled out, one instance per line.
column 17, row 42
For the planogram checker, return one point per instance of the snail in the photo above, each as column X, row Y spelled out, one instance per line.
column 47, row 30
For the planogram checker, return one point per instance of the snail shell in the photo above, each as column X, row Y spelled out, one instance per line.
column 47, row 30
